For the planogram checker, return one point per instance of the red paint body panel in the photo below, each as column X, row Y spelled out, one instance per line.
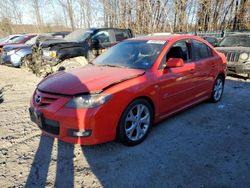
column 170, row 90
column 86, row 79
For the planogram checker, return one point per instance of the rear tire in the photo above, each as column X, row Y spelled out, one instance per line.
column 218, row 89
column 135, row 123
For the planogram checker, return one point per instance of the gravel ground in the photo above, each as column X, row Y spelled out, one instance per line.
column 205, row 146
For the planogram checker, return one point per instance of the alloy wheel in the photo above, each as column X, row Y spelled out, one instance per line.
column 137, row 122
column 218, row 89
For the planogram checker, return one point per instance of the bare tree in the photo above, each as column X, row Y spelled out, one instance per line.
column 68, row 8
column 36, row 7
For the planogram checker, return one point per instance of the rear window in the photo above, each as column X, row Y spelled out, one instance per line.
column 200, row 50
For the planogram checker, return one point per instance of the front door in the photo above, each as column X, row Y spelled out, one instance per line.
column 177, row 85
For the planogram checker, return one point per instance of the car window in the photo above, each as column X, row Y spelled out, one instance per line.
column 78, row 35
column 17, row 39
column 121, row 35
column 102, row 36
column 200, row 50
column 235, row 40
column 179, row 50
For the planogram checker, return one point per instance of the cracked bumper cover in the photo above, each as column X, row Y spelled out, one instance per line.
column 238, row 68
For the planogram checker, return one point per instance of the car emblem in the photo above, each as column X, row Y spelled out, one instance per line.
column 38, row 99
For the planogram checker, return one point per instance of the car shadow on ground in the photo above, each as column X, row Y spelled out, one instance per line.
column 196, row 148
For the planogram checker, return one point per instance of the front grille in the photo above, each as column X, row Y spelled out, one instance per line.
column 46, row 99
column 231, row 69
column 232, row 56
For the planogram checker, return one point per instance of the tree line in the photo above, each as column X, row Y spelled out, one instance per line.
column 142, row 16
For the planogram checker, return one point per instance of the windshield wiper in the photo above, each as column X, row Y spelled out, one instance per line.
column 110, row 65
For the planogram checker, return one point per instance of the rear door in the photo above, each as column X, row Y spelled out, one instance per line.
column 205, row 63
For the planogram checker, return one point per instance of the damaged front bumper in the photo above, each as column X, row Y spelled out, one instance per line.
column 238, row 68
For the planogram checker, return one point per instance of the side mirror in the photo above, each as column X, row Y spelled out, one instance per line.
column 174, row 62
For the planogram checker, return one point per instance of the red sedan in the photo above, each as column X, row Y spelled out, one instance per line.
column 126, row 90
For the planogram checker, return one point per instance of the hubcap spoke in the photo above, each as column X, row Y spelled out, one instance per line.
column 145, row 119
column 131, row 129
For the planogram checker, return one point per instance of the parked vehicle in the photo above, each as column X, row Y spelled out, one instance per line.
column 88, row 43
column 16, row 54
column 126, row 90
column 237, row 50
column 18, row 40
column 19, row 54
column 212, row 40
column 8, row 38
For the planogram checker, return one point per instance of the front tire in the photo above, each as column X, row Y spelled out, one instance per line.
column 135, row 123
column 217, row 89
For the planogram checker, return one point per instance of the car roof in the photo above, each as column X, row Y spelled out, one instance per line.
column 166, row 37
column 239, row 34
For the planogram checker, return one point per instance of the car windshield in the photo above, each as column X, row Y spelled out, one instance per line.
column 78, row 35
column 8, row 38
column 31, row 41
column 17, row 39
column 139, row 54
column 232, row 41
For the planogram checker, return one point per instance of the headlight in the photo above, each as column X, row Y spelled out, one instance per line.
column 49, row 53
column 88, row 101
column 244, row 56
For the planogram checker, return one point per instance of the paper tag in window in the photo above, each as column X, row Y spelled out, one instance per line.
column 156, row 42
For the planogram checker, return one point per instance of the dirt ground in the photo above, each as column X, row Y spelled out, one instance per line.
column 205, row 146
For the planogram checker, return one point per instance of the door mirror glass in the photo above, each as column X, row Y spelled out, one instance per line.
column 174, row 62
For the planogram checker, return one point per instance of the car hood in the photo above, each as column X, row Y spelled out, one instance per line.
column 15, row 46
column 88, row 79
column 59, row 42
column 233, row 49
